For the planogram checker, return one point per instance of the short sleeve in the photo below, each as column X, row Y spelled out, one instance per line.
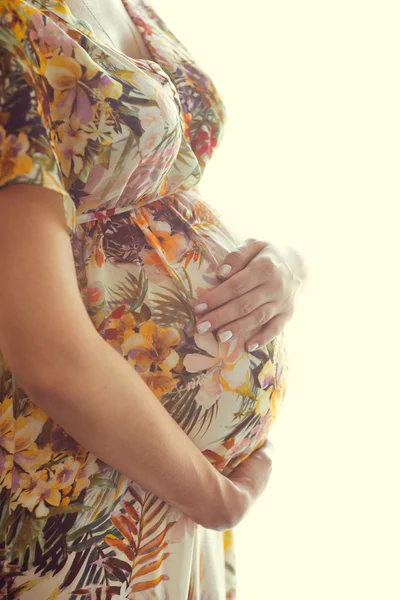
column 27, row 153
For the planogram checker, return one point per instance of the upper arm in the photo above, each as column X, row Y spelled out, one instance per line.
column 42, row 315
column 41, row 309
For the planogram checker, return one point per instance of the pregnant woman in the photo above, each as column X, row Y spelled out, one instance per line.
column 138, row 382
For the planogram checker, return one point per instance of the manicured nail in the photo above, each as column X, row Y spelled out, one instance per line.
column 252, row 347
column 224, row 270
column 201, row 307
column 203, row 327
column 226, row 335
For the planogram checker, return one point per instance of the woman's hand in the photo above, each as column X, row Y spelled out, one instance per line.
column 256, row 300
column 247, row 482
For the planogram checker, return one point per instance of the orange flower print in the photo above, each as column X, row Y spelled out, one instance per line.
column 14, row 158
column 153, row 345
column 172, row 246
column 95, row 293
column 227, row 367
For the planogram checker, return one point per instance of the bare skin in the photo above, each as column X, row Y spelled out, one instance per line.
column 73, row 374
column 110, row 16
column 69, row 371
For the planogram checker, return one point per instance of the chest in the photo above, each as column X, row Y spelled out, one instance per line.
column 112, row 25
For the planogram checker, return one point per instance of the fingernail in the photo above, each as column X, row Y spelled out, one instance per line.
column 203, row 327
column 252, row 347
column 224, row 270
column 201, row 307
column 226, row 335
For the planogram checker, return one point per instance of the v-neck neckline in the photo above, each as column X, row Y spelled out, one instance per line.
column 65, row 14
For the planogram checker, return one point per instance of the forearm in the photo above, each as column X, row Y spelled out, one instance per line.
column 102, row 402
column 59, row 358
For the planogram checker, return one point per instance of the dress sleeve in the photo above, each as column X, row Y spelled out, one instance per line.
column 27, row 153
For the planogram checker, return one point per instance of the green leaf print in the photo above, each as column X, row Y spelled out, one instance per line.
column 27, row 531
column 131, row 293
column 171, row 309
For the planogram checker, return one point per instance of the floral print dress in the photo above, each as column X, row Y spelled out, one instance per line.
column 125, row 142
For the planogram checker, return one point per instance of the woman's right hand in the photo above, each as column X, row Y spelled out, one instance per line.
column 246, row 483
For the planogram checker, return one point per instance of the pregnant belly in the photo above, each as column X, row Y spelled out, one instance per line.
column 140, row 273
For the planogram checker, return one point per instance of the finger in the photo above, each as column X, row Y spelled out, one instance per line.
column 252, row 276
column 267, row 333
column 239, row 258
column 240, row 328
column 235, row 310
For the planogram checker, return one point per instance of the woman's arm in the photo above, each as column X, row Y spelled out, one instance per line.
column 78, row 379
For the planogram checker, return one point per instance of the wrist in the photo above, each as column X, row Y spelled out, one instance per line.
column 236, row 502
column 223, row 505
column 295, row 262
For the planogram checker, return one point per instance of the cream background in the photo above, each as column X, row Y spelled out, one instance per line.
column 311, row 158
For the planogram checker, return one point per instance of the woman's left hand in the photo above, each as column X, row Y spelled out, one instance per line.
column 257, row 296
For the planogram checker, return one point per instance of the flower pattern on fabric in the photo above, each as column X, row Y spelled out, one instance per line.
column 124, row 142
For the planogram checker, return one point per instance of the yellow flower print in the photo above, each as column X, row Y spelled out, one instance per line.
column 263, row 403
column 72, row 83
column 40, row 492
column 119, row 330
column 72, row 146
column 160, row 382
column 227, row 537
column 63, row 72
column 273, row 378
column 153, row 345
column 82, row 480
column 18, row 437
column 66, row 77
column 26, row 453
column 10, row 16
column 7, row 424
column 66, row 472
column 277, row 396
column 108, row 88
column 14, row 158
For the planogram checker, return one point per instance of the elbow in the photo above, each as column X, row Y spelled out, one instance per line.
column 29, row 373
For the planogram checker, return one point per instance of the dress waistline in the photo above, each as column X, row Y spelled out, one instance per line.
column 99, row 215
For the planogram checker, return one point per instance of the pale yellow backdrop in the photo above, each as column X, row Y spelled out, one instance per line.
column 311, row 158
